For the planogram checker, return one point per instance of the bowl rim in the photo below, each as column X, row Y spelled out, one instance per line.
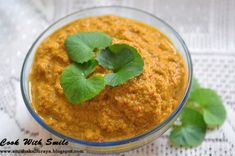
column 118, row 142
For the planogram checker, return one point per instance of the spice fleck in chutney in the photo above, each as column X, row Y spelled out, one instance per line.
column 117, row 112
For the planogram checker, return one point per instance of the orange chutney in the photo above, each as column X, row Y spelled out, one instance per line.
column 117, row 112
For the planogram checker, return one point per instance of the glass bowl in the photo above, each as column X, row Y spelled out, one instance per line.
column 120, row 145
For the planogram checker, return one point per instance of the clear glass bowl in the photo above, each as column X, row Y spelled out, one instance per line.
column 120, row 145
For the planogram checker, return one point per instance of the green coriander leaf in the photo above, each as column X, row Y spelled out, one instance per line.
column 124, row 60
column 80, row 46
column 211, row 105
column 77, row 88
column 192, row 130
column 87, row 67
column 195, row 84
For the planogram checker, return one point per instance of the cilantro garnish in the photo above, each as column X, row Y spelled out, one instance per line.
column 203, row 109
column 80, row 46
column 76, row 84
column 195, row 85
column 192, row 129
column 210, row 104
column 123, row 59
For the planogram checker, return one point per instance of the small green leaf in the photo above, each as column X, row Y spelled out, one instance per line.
column 80, row 46
column 124, row 60
column 87, row 67
column 195, row 85
column 77, row 88
column 211, row 105
column 192, row 130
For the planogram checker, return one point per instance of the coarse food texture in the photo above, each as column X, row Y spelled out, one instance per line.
column 117, row 112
